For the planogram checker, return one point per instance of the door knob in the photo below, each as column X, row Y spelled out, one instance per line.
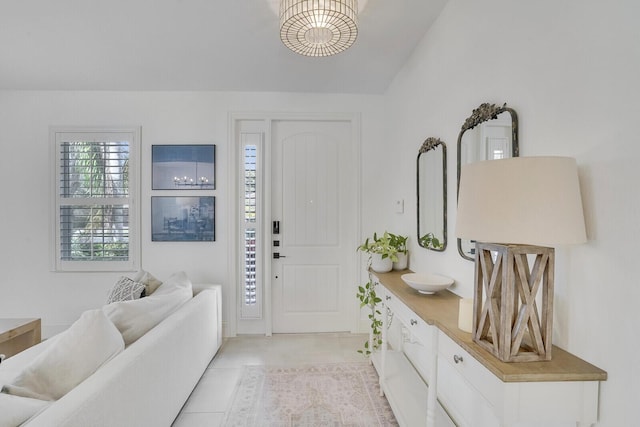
column 276, row 255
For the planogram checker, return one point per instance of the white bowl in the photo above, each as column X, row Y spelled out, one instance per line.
column 427, row 283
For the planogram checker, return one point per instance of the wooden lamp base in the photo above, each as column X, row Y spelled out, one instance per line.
column 507, row 320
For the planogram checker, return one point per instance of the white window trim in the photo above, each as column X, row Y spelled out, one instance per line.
column 57, row 264
column 253, row 312
column 263, row 120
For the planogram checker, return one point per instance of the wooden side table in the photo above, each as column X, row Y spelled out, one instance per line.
column 17, row 335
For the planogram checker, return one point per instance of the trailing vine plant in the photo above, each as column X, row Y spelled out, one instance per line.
column 388, row 246
column 368, row 298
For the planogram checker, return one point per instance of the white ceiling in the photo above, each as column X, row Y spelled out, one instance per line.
column 195, row 45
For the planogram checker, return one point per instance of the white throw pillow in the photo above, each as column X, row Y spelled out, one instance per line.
column 135, row 318
column 14, row 410
column 76, row 354
column 125, row 289
column 150, row 283
column 176, row 282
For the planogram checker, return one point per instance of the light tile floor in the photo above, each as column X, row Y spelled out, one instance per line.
column 209, row 400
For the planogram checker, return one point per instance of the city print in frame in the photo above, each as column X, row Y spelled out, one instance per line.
column 183, row 219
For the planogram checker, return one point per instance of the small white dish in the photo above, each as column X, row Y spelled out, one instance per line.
column 427, row 283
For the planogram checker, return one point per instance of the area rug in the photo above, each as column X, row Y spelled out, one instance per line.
column 335, row 394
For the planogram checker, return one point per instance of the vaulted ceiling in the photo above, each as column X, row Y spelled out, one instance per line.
column 220, row 45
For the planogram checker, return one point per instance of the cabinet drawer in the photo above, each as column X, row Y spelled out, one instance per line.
column 466, row 388
column 412, row 322
column 461, row 400
column 477, row 375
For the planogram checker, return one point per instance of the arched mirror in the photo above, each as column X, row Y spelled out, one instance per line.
column 491, row 132
column 432, row 195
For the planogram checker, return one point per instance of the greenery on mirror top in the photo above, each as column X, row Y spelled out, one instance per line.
column 430, row 241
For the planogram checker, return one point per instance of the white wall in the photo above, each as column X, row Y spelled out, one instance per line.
column 570, row 69
column 28, row 288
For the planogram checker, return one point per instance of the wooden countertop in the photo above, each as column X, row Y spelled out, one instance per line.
column 10, row 328
column 441, row 309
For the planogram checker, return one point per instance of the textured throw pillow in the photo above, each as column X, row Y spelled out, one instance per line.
column 135, row 318
column 14, row 410
column 150, row 283
column 77, row 353
column 125, row 289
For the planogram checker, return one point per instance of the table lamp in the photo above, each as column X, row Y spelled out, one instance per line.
column 517, row 210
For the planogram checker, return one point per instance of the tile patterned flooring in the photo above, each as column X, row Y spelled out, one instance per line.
column 209, row 400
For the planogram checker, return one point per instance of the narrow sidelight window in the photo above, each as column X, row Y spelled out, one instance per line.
column 251, row 293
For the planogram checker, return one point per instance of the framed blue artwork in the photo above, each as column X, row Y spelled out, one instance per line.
column 183, row 167
column 183, row 219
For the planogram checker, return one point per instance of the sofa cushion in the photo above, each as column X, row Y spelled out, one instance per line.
column 126, row 289
column 135, row 318
column 148, row 280
column 76, row 354
column 14, row 410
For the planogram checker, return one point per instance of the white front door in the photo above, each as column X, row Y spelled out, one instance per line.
column 314, row 200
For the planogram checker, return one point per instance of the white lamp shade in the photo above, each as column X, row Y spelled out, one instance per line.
column 521, row 200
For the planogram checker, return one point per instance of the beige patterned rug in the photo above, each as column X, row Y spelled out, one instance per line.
column 334, row 394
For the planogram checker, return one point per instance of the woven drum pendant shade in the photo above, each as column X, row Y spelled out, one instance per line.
column 318, row 27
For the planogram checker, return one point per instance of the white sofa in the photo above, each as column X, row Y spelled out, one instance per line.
column 146, row 384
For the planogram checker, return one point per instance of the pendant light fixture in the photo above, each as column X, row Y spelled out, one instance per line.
column 318, row 27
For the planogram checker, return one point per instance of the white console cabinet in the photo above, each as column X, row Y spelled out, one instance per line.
column 434, row 375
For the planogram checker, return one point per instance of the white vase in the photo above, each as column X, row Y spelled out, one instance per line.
column 380, row 265
column 403, row 261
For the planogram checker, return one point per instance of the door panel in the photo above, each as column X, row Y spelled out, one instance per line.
column 310, row 289
column 313, row 197
column 310, row 190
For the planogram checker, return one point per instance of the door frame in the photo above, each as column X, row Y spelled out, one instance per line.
column 233, row 290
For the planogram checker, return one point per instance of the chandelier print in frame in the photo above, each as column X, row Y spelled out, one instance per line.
column 183, row 167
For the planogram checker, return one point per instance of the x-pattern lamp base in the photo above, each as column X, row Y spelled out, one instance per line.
column 508, row 320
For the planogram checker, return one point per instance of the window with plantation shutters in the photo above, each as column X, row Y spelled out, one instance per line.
column 251, row 301
column 96, row 181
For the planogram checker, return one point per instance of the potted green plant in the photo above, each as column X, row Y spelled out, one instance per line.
column 381, row 251
column 400, row 243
